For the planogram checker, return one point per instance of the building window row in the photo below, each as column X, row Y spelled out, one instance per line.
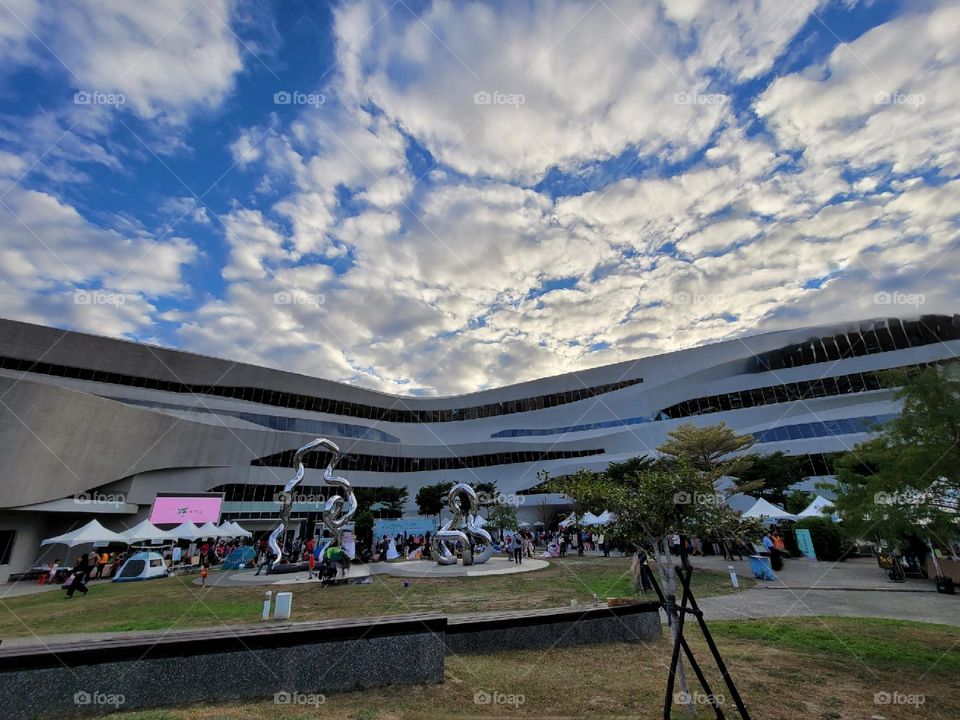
column 825, row 428
column 277, row 422
column 881, row 336
column 397, row 413
column 381, row 463
column 787, row 392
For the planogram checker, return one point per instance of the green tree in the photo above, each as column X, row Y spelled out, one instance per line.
column 653, row 501
column 773, row 474
column 503, row 517
column 907, row 480
column 431, row 499
column 708, row 449
column 363, row 528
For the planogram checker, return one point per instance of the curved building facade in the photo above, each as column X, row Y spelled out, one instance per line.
column 95, row 427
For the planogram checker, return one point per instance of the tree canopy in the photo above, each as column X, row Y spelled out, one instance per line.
column 707, row 449
column 431, row 499
column 907, row 479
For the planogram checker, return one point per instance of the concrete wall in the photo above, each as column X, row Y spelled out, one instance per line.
column 296, row 664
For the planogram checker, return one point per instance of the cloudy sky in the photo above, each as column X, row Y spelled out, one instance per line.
column 440, row 197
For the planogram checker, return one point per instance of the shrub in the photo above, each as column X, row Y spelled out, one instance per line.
column 829, row 540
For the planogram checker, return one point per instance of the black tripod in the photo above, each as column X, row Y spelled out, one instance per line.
column 681, row 643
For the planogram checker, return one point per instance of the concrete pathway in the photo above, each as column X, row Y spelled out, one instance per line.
column 854, row 588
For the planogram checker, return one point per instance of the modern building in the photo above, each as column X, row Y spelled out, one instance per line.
column 96, row 427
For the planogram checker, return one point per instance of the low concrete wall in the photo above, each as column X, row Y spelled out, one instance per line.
column 492, row 632
column 295, row 663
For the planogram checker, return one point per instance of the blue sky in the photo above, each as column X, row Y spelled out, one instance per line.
column 440, row 197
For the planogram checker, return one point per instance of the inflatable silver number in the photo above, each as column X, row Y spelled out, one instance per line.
column 339, row 512
column 476, row 545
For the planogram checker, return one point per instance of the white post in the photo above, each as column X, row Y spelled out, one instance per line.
column 283, row 606
column 266, row 605
column 733, row 576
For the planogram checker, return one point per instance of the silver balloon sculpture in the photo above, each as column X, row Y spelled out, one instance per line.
column 464, row 504
column 339, row 511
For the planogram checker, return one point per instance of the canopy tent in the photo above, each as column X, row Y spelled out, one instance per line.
column 589, row 519
column 226, row 530
column 208, row 530
column 142, row 566
column 768, row 511
column 571, row 519
column 816, row 508
column 146, row 532
column 239, row 531
column 606, row 517
column 479, row 521
column 92, row 532
column 524, row 525
column 186, row 531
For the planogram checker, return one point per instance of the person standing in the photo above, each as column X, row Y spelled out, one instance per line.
column 103, row 560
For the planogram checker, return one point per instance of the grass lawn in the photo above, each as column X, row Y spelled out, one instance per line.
column 178, row 603
column 819, row 668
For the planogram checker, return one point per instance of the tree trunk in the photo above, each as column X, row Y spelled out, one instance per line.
column 669, row 582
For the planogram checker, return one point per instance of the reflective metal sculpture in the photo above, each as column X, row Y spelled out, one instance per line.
column 476, row 545
column 339, row 511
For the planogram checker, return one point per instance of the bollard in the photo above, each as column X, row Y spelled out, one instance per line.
column 733, row 576
column 266, row 605
column 283, row 606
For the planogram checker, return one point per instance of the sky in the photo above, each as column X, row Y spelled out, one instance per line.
column 435, row 198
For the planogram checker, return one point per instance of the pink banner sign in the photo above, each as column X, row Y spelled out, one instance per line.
column 176, row 510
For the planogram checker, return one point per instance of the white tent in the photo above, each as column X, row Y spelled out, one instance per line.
column 816, row 508
column 142, row 566
column 569, row 520
column 208, row 530
column 606, row 517
column 525, row 525
column 239, row 531
column 226, row 530
column 479, row 521
column 763, row 509
column 146, row 532
column 589, row 519
column 186, row 531
column 92, row 532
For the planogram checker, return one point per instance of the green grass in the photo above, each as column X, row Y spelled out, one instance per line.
column 884, row 643
column 789, row 671
column 178, row 603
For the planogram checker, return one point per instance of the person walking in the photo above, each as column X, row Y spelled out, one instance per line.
column 81, row 569
column 517, row 546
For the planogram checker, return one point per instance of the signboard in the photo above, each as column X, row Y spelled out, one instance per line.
column 805, row 543
column 198, row 508
column 398, row 526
